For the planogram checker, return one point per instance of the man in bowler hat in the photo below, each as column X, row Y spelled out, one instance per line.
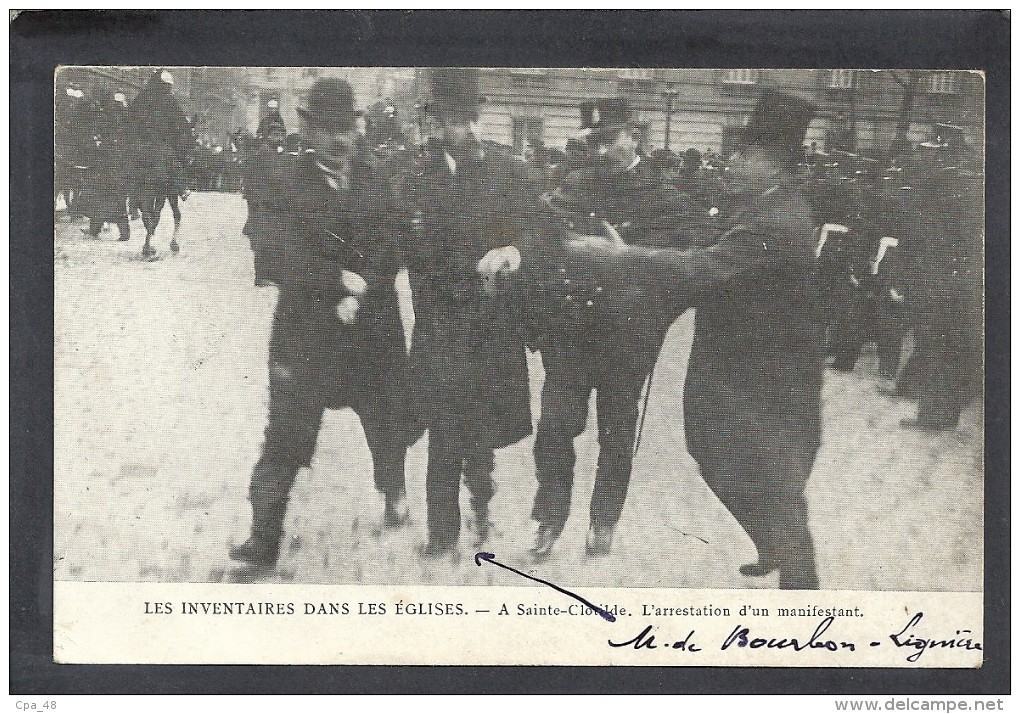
column 752, row 412
column 468, row 351
column 330, row 227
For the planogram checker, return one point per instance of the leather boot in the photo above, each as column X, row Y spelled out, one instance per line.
column 433, row 549
column 263, row 545
column 396, row 513
column 545, row 539
column 599, row 542
column 758, row 569
column 482, row 527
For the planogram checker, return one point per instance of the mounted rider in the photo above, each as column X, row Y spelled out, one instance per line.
column 161, row 131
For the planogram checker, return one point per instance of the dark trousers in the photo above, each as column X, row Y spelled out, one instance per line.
column 867, row 321
column 299, row 393
column 450, row 458
column 766, row 496
column 570, row 377
column 263, row 262
column 948, row 370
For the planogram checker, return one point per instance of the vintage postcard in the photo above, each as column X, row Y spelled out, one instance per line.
column 518, row 366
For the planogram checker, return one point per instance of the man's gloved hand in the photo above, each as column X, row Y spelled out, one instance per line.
column 354, row 283
column 500, row 260
column 347, row 310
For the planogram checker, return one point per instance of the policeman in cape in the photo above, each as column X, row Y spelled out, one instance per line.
column 269, row 159
column 272, row 129
column 583, row 347
column 473, row 210
column 752, row 396
column 104, row 198
column 941, row 281
column 337, row 339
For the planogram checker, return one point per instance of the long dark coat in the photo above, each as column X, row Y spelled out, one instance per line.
column 468, row 351
column 311, row 234
column 752, row 398
column 104, row 195
column 752, row 412
column 160, row 139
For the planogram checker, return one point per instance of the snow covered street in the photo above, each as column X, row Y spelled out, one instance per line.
column 161, row 399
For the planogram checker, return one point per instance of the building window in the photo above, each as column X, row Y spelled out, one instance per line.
column 740, row 83
column 741, row 76
column 627, row 87
column 942, row 83
column 842, row 79
column 636, row 74
column 528, row 81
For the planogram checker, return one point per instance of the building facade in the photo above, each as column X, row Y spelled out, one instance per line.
column 866, row 111
column 859, row 110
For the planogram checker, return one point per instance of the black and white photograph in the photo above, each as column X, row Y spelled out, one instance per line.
column 621, row 328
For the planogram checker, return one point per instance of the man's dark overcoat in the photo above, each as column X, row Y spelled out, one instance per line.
column 311, row 234
column 752, row 396
column 104, row 196
column 468, row 352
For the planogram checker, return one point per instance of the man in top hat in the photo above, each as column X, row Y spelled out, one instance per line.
column 752, row 413
column 337, row 339
column 583, row 348
column 468, row 352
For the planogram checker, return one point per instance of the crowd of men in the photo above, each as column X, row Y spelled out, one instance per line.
column 588, row 255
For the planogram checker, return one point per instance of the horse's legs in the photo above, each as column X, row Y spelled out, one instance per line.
column 68, row 200
column 176, row 209
column 124, row 227
column 151, row 208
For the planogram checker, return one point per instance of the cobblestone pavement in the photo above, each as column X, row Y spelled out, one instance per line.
column 160, row 401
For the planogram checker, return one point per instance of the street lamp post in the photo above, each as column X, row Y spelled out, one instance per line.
column 670, row 95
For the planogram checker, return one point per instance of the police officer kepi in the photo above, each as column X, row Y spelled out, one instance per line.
column 330, row 226
column 752, row 395
column 585, row 347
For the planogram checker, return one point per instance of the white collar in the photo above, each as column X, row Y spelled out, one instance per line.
column 336, row 181
column 451, row 162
